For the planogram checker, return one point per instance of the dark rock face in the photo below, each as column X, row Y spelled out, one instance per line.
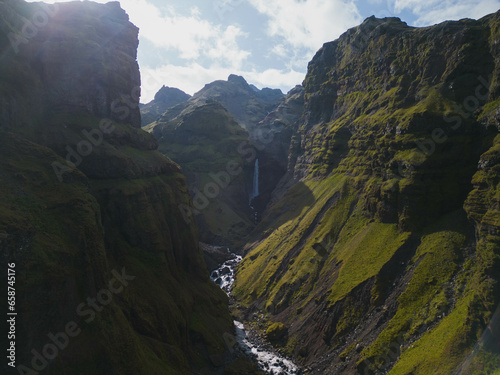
column 60, row 70
column 86, row 196
column 105, row 66
column 272, row 138
column 166, row 98
column 382, row 239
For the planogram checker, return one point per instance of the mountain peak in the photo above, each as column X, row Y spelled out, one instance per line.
column 171, row 94
column 373, row 26
column 237, row 79
column 165, row 98
column 390, row 21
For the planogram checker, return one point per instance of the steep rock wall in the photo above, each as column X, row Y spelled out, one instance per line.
column 381, row 256
column 86, row 197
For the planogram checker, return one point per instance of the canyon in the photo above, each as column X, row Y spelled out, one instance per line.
column 363, row 204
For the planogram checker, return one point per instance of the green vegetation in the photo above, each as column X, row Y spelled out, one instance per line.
column 389, row 241
column 294, row 232
column 366, row 249
column 428, row 297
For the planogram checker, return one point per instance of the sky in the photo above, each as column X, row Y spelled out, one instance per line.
column 189, row 43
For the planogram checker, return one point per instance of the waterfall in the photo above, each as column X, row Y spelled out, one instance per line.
column 255, row 192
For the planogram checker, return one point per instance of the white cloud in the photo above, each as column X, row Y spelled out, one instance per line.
column 191, row 36
column 225, row 48
column 195, row 11
column 280, row 50
column 192, row 77
column 308, row 23
column 274, row 78
column 430, row 12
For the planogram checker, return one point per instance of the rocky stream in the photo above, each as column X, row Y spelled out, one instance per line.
column 249, row 342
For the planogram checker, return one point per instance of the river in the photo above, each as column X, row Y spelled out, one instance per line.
column 269, row 361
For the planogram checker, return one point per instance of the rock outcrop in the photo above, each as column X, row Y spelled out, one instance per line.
column 88, row 212
column 379, row 253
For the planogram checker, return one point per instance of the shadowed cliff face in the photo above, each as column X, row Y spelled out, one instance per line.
column 88, row 211
column 215, row 155
column 97, row 74
column 272, row 138
column 381, row 259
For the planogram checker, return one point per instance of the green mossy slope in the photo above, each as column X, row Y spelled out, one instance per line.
column 386, row 244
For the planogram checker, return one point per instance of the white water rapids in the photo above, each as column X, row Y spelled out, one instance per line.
column 224, row 275
column 269, row 362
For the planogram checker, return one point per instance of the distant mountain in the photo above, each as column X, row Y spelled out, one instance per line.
column 164, row 99
column 230, row 121
column 246, row 103
column 210, row 146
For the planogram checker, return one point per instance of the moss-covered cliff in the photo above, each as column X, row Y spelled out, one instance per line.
column 382, row 256
column 88, row 210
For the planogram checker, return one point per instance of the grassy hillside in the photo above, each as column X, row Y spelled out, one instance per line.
column 385, row 246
